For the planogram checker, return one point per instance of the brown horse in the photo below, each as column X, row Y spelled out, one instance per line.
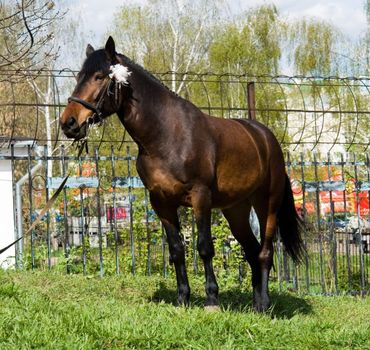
column 188, row 158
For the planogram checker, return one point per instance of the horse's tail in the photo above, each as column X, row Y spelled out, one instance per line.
column 291, row 225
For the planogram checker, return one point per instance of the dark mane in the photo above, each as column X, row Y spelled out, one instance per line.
column 98, row 62
column 149, row 75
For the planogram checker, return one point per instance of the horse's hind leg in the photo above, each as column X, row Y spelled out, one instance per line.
column 238, row 219
column 201, row 201
column 266, row 209
column 168, row 216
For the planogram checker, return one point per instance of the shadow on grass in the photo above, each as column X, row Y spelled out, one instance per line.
column 284, row 305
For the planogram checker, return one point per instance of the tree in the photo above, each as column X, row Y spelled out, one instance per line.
column 251, row 45
column 313, row 47
column 168, row 36
column 25, row 40
column 367, row 36
column 45, row 28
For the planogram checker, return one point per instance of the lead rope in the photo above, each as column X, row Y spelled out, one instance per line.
column 47, row 207
column 80, row 146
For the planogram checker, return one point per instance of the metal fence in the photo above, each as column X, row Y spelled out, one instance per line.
column 306, row 113
column 103, row 223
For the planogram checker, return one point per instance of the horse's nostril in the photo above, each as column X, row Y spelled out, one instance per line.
column 71, row 122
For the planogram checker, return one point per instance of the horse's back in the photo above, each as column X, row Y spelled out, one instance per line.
column 244, row 139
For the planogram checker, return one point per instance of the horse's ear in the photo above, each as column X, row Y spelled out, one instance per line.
column 110, row 48
column 89, row 50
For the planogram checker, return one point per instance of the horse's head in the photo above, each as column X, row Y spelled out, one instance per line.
column 97, row 93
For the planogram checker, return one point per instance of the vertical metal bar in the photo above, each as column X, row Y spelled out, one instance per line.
column 194, row 244
column 221, row 96
column 286, row 272
column 347, row 240
column 84, row 227
column 240, row 267
column 318, row 213
column 114, row 209
column 66, row 227
column 361, row 251
column 83, row 221
column 32, row 235
column 279, row 261
column 132, row 238
column 100, row 233
column 307, row 274
column 148, row 236
column 332, row 235
column 164, row 257
column 355, row 253
column 18, row 246
column 48, row 238
column 285, row 258
column 251, row 95
column 367, row 263
column 295, row 275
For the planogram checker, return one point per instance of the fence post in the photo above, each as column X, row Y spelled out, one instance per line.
column 251, row 100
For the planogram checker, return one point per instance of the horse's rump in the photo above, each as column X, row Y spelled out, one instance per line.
column 248, row 158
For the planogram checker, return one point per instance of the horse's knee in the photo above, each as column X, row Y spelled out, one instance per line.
column 206, row 250
column 177, row 253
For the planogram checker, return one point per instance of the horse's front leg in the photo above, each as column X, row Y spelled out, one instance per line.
column 201, row 202
column 169, row 218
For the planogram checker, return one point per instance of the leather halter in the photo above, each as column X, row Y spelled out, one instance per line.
column 97, row 116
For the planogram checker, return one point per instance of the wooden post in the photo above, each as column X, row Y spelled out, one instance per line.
column 251, row 100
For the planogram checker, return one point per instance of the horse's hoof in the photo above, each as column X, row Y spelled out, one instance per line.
column 261, row 302
column 261, row 307
column 212, row 308
column 182, row 303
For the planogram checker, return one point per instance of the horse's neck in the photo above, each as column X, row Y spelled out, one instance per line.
column 145, row 114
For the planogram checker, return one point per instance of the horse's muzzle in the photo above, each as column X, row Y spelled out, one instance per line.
column 73, row 130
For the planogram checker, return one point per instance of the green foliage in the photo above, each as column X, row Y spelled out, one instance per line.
column 200, row 37
column 166, row 36
column 250, row 46
column 314, row 44
column 229, row 254
column 174, row 38
column 349, row 280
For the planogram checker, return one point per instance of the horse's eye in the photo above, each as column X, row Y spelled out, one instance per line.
column 99, row 77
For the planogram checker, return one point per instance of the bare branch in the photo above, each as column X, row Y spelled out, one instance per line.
column 25, row 33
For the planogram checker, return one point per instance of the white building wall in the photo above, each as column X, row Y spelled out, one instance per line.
column 6, row 214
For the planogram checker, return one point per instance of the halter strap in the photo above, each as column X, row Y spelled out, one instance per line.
column 84, row 103
column 97, row 116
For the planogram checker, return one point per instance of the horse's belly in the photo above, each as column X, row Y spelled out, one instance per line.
column 236, row 187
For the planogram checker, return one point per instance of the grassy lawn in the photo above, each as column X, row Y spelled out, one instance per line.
column 51, row 311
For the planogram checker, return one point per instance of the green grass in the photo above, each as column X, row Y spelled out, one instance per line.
column 52, row 311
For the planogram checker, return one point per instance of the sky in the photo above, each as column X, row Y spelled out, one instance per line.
column 347, row 15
